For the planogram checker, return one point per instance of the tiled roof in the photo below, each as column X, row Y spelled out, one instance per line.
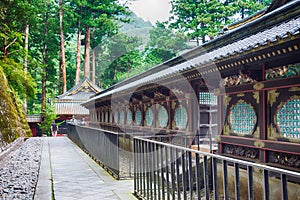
column 82, row 91
column 266, row 35
column 70, row 102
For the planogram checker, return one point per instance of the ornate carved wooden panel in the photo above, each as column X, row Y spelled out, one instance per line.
column 246, row 152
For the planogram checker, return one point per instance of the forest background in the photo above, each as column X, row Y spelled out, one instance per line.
column 48, row 46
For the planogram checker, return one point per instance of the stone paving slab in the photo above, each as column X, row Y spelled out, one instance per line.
column 77, row 176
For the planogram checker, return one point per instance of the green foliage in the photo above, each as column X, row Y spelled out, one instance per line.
column 248, row 7
column 47, row 118
column 118, row 57
column 21, row 81
column 202, row 19
column 164, row 44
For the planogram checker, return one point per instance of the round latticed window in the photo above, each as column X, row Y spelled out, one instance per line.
column 288, row 118
column 129, row 117
column 163, row 117
column 122, row 117
column 181, row 117
column 116, row 116
column 138, row 117
column 149, row 117
column 242, row 118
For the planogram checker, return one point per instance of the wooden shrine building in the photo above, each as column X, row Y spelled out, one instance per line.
column 68, row 104
column 241, row 90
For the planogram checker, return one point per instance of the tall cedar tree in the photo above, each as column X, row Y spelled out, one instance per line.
column 63, row 75
column 98, row 16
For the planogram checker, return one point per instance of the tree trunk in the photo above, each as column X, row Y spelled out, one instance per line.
column 26, row 62
column 93, row 58
column 93, row 66
column 62, row 50
column 87, row 53
column 44, row 77
column 77, row 79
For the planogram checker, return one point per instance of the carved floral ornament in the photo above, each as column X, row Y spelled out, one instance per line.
column 283, row 72
column 272, row 96
column 235, row 80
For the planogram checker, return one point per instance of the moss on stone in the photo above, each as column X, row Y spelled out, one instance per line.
column 13, row 123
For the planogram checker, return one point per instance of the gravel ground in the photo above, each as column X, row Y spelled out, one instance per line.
column 19, row 170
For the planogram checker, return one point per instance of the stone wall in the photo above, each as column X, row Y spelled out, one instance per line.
column 13, row 122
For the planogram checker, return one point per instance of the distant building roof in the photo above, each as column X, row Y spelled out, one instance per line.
column 69, row 102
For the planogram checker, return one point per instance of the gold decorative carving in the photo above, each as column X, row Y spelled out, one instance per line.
column 240, row 95
column 294, row 89
column 273, row 131
column 226, row 129
column 258, row 86
column 173, row 105
column 256, row 133
column 167, row 98
column 259, row 144
column 217, row 91
column 227, row 99
column 256, row 96
column 157, row 106
column 272, row 96
column 173, row 125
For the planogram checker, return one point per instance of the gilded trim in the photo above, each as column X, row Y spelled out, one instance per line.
column 272, row 96
column 256, row 133
column 272, row 132
column 259, row 144
column 294, row 89
column 258, row 86
column 226, row 129
column 173, row 105
column 217, row 91
column 256, row 96
column 227, row 100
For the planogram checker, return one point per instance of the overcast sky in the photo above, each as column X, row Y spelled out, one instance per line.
column 151, row 10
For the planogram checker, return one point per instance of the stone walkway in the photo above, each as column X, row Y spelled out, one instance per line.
column 75, row 175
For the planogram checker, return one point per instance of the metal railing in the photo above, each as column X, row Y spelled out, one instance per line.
column 167, row 171
column 102, row 145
